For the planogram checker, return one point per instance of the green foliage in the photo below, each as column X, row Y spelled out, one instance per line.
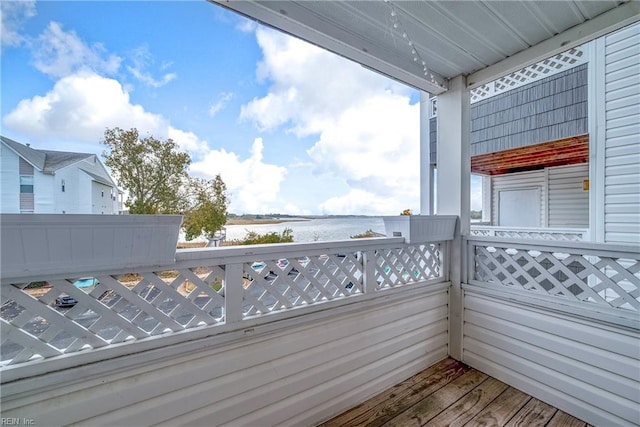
column 476, row 214
column 366, row 234
column 207, row 211
column 253, row 238
column 36, row 285
column 216, row 284
column 152, row 171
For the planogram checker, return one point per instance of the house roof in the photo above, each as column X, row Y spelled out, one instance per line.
column 98, row 178
column 35, row 157
column 55, row 160
column 45, row 160
column 481, row 39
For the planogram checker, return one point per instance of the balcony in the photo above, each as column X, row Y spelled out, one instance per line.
column 295, row 334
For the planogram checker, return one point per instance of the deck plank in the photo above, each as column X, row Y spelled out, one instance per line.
column 502, row 409
column 562, row 419
column 534, row 414
column 470, row 404
column 453, row 394
column 386, row 405
column 420, row 413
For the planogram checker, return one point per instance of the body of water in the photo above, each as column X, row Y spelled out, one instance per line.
column 312, row 230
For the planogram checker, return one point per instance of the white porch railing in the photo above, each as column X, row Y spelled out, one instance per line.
column 601, row 274
column 557, row 234
column 219, row 288
column 558, row 320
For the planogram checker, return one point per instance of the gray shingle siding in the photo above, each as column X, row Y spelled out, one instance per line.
column 546, row 110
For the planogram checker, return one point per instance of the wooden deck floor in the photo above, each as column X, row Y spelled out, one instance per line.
column 453, row 394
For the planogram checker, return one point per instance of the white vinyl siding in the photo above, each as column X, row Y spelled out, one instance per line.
column 518, row 181
column 101, row 198
column 586, row 368
column 9, row 181
column 568, row 201
column 299, row 374
column 622, row 149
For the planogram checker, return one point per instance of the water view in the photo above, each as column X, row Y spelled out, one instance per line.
column 313, row 230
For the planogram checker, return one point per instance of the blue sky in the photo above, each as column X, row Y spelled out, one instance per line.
column 291, row 128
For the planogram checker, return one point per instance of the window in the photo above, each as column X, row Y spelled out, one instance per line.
column 102, row 193
column 26, row 184
column 63, row 185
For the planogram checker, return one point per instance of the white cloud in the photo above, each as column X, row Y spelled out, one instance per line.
column 187, row 141
column 360, row 201
column 293, row 209
column 80, row 107
column 367, row 128
column 58, row 54
column 310, row 86
column 246, row 25
column 142, row 58
column 221, row 103
column 254, row 185
column 13, row 14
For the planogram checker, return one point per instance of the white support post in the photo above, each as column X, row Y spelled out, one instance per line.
column 597, row 138
column 233, row 291
column 453, row 193
column 369, row 268
column 426, row 171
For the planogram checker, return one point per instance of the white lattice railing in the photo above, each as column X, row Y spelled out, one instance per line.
column 204, row 288
column 558, row 234
column 545, row 68
column 606, row 275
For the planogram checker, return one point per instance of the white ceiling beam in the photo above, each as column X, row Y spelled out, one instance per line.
column 610, row 21
column 350, row 49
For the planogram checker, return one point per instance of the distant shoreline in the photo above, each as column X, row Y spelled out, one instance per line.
column 253, row 221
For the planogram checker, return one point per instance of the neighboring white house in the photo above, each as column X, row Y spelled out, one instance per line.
column 45, row 181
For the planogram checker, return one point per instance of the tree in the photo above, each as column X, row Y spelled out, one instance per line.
column 207, row 210
column 150, row 170
column 253, row 238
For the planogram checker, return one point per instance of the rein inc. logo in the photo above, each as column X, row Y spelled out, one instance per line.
column 6, row 421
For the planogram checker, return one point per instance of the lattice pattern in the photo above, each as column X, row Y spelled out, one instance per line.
column 289, row 282
column 481, row 232
column 549, row 234
column 548, row 67
column 605, row 280
column 119, row 308
column 411, row 264
column 61, row 317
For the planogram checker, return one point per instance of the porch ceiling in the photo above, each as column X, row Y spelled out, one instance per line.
column 474, row 38
column 565, row 151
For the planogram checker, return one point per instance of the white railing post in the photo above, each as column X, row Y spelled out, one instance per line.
column 233, row 293
column 369, row 271
column 470, row 266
